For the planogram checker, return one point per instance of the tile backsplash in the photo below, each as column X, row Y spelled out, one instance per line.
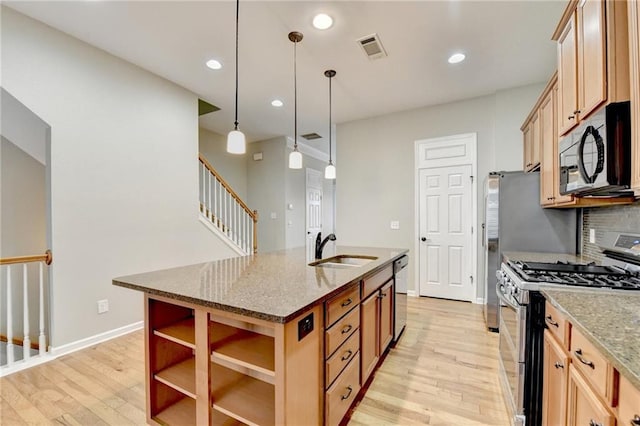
column 615, row 218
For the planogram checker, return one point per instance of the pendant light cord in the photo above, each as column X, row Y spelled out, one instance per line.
column 237, row 20
column 295, row 99
column 330, row 78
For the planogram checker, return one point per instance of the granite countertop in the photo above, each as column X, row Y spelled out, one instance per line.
column 275, row 286
column 608, row 319
column 525, row 256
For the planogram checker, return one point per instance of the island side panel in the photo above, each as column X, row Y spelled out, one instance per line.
column 299, row 390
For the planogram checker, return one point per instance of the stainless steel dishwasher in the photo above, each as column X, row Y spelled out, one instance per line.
column 401, row 276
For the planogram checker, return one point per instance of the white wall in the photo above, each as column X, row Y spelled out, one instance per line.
column 124, row 176
column 232, row 167
column 266, row 192
column 376, row 171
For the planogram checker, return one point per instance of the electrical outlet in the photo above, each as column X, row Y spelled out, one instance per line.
column 103, row 306
column 592, row 236
column 395, row 224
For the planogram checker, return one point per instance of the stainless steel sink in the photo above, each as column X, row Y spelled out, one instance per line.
column 344, row 261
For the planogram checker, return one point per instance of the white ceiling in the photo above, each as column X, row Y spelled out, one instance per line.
column 507, row 44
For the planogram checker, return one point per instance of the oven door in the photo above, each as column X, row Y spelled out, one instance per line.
column 511, row 349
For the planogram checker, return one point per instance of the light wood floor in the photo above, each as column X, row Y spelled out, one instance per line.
column 443, row 372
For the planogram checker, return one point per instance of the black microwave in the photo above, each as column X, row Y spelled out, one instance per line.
column 595, row 157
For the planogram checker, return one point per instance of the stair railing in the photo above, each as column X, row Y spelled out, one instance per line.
column 225, row 210
column 21, row 262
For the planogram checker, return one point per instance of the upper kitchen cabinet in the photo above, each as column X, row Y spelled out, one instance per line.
column 634, row 67
column 549, row 169
column 593, row 66
column 531, row 133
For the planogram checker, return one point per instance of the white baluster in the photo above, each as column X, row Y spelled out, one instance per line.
column 209, row 212
column 26, row 343
column 42, row 340
column 10, row 357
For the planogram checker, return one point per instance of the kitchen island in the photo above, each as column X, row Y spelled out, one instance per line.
column 265, row 339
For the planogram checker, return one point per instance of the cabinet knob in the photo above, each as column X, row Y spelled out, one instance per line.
column 558, row 365
column 576, row 112
column 635, row 421
column 423, row 239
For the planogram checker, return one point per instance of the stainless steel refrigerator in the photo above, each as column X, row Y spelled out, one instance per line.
column 515, row 221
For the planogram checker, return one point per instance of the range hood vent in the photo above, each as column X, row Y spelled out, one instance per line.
column 311, row 136
column 372, row 46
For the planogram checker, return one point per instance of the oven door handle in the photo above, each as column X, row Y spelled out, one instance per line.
column 506, row 301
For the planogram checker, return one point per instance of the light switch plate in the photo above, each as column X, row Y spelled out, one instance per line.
column 274, row 215
column 395, row 224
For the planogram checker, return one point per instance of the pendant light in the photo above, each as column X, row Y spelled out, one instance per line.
column 330, row 170
column 295, row 158
column 236, row 143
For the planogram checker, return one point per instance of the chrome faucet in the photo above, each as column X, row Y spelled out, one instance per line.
column 320, row 243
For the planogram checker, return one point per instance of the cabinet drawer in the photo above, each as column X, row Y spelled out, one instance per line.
column 339, row 360
column 374, row 282
column 590, row 362
column 341, row 304
column 340, row 396
column 585, row 408
column 628, row 402
column 341, row 331
column 556, row 323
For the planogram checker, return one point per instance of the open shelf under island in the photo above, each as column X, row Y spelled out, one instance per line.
column 265, row 339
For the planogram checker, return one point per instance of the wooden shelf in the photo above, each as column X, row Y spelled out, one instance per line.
column 242, row 347
column 244, row 398
column 182, row 332
column 181, row 377
column 219, row 419
column 181, row 413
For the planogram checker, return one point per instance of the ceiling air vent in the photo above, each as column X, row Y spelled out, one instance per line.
column 372, row 46
column 311, row 136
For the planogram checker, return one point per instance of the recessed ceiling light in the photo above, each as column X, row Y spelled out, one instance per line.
column 322, row 21
column 277, row 103
column 456, row 57
column 213, row 64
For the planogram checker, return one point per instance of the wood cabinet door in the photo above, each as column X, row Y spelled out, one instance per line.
column 535, row 141
column 386, row 316
column 526, row 159
column 592, row 89
column 567, row 78
column 549, row 137
column 634, row 56
column 368, row 336
column 584, row 407
column 555, row 378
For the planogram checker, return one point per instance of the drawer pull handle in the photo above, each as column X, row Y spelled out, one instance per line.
column 636, row 420
column 550, row 320
column 350, row 389
column 571, row 117
column 347, row 355
column 594, row 423
column 347, row 302
column 558, row 365
column 347, row 329
column 586, row 362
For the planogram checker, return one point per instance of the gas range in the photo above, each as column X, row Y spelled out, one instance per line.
column 573, row 274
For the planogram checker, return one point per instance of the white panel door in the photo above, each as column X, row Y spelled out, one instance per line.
column 314, row 210
column 446, row 233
